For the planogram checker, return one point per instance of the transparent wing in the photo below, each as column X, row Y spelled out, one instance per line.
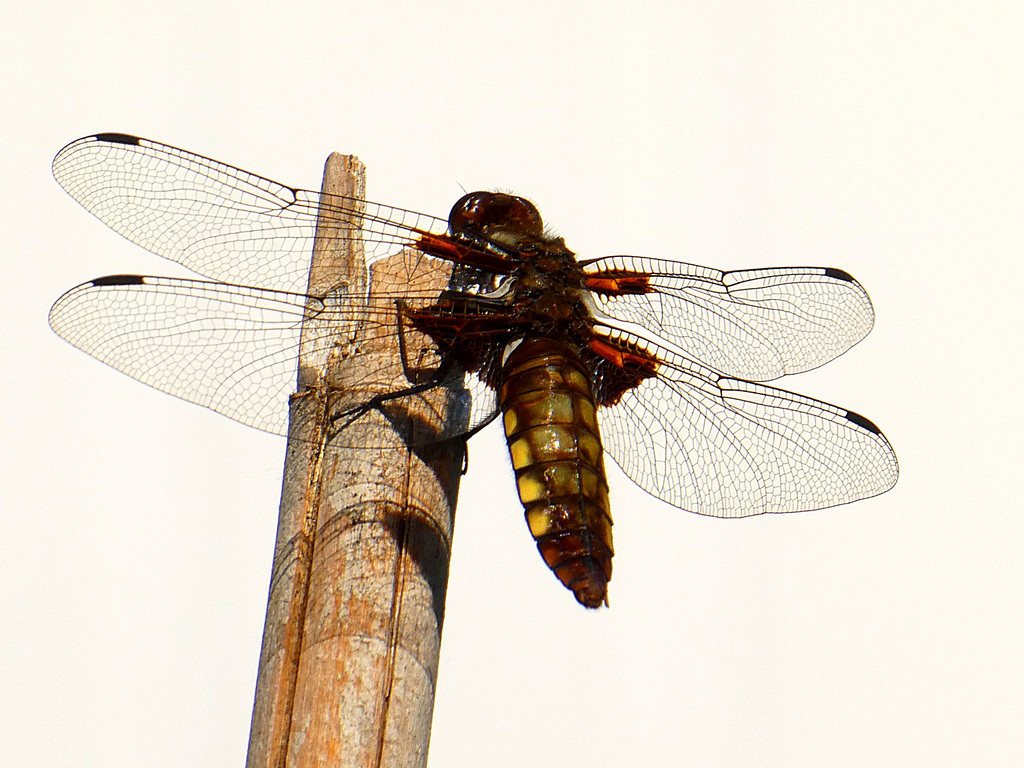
column 726, row 447
column 230, row 348
column 756, row 324
column 219, row 221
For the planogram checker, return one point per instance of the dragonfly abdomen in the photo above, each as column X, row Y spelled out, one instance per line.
column 551, row 428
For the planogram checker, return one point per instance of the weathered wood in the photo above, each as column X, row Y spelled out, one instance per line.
column 352, row 637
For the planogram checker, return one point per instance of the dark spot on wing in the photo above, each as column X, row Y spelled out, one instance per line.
column 117, row 138
column 119, row 280
column 860, row 421
column 839, row 274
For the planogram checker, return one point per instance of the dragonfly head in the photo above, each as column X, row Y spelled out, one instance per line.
column 498, row 217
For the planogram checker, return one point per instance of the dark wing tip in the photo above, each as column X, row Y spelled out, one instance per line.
column 117, row 138
column 118, row 280
column 839, row 274
column 861, row 421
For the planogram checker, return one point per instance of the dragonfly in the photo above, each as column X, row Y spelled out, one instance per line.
column 659, row 364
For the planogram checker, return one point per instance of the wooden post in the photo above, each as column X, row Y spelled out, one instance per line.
column 352, row 638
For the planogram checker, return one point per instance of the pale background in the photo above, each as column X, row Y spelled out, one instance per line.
column 883, row 138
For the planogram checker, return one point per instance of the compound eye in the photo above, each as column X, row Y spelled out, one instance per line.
column 469, row 213
column 492, row 214
column 524, row 216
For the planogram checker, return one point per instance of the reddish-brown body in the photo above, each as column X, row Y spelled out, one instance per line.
column 532, row 341
column 550, row 421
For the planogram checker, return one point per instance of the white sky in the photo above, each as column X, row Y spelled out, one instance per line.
column 136, row 530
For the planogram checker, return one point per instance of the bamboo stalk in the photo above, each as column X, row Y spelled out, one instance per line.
column 352, row 637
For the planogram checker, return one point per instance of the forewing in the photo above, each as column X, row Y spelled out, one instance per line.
column 219, row 221
column 726, row 447
column 230, row 348
column 756, row 324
